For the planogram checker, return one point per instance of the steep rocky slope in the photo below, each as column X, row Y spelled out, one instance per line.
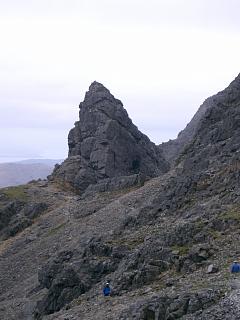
column 165, row 246
column 173, row 148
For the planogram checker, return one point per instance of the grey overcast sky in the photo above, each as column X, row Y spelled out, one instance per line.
column 162, row 58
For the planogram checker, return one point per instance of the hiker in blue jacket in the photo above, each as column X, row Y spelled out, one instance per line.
column 107, row 290
column 235, row 268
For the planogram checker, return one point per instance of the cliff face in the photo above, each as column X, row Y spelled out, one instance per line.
column 217, row 133
column 105, row 144
column 219, row 106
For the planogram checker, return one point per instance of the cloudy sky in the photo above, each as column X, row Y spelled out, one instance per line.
column 162, row 58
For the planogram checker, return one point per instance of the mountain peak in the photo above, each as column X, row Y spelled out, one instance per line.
column 96, row 86
column 106, row 145
column 96, row 92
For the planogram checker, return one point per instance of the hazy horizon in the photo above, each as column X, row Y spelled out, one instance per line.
column 161, row 58
column 13, row 160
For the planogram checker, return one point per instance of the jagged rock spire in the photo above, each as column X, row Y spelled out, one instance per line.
column 105, row 144
column 96, row 92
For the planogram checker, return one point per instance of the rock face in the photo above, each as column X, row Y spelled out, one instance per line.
column 208, row 164
column 224, row 101
column 212, row 158
column 17, row 212
column 105, row 144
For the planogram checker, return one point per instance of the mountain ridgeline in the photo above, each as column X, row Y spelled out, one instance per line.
column 160, row 223
column 21, row 172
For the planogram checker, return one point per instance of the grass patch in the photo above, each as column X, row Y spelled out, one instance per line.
column 233, row 214
column 56, row 229
column 200, row 224
column 129, row 243
column 183, row 250
column 215, row 234
column 120, row 192
column 16, row 193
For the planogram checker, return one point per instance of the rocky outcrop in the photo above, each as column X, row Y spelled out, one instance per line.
column 225, row 101
column 216, row 137
column 174, row 307
column 211, row 161
column 16, row 216
column 63, row 283
column 105, row 144
column 173, row 148
column 208, row 164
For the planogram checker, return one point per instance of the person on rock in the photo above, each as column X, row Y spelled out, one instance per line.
column 235, row 268
column 107, row 290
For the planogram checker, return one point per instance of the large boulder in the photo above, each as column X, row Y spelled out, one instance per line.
column 105, row 144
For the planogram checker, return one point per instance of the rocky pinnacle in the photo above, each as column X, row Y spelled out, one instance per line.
column 106, row 147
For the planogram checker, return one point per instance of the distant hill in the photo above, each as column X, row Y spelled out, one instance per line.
column 49, row 162
column 16, row 173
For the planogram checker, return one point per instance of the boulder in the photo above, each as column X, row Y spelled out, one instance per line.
column 212, row 269
column 65, row 287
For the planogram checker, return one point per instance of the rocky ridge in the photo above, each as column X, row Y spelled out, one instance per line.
column 165, row 246
column 173, row 148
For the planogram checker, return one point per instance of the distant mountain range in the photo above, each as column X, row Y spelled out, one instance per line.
column 21, row 172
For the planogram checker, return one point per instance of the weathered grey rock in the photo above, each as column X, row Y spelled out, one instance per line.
column 17, row 215
column 115, row 183
column 142, row 266
column 47, row 274
column 105, row 144
column 200, row 253
column 171, row 307
column 33, row 210
column 64, row 288
column 8, row 211
column 220, row 112
column 212, row 268
column 208, row 165
column 63, row 284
